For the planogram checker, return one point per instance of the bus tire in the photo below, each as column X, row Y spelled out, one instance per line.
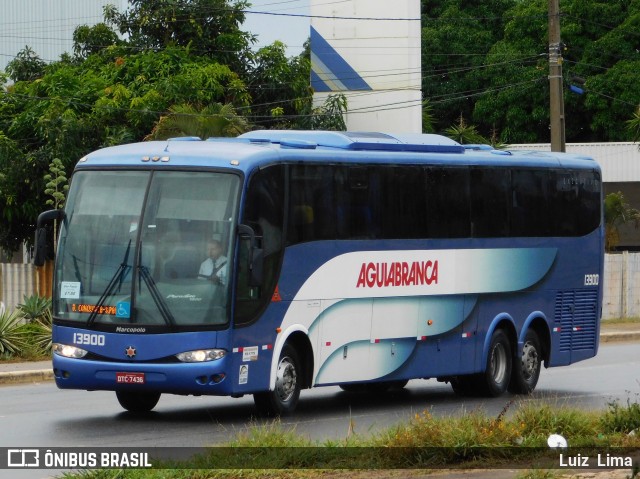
column 138, row 401
column 466, row 385
column 526, row 369
column 497, row 374
column 284, row 398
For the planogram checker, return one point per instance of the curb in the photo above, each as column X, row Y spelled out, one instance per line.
column 33, row 375
column 38, row 375
column 619, row 336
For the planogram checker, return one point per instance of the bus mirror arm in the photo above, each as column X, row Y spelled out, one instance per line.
column 256, row 257
column 40, row 253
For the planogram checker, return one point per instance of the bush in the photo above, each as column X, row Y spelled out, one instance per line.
column 34, row 307
column 12, row 334
column 26, row 332
column 620, row 418
column 539, row 421
column 37, row 335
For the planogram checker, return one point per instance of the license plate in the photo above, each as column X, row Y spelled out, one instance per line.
column 130, row 378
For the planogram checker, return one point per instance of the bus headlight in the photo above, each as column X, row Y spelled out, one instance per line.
column 201, row 355
column 68, row 351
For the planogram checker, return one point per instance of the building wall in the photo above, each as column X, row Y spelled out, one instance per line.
column 374, row 61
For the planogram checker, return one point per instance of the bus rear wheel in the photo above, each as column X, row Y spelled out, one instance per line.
column 138, row 401
column 497, row 374
column 466, row 385
column 526, row 369
column 284, row 398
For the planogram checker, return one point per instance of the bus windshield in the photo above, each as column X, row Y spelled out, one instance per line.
column 146, row 248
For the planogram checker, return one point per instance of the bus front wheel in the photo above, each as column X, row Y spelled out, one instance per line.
column 497, row 374
column 526, row 369
column 138, row 401
column 284, row 398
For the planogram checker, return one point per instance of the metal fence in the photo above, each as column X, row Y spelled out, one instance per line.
column 621, row 298
column 17, row 281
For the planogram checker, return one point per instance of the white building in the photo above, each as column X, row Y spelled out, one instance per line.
column 369, row 51
column 46, row 26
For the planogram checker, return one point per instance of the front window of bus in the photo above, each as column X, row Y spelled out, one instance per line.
column 146, row 249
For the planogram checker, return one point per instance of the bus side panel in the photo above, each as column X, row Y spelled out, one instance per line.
column 253, row 350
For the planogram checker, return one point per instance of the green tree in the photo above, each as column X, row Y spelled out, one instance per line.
column 456, row 36
column 27, row 65
column 330, row 116
column 57, row 186
column 489, row 62
column 617, row 213
column 214, row 120
column 209, row 28
column 88, row 40
column 108, row 98
column 279, row 87
column 633, row 125
column 464, row 133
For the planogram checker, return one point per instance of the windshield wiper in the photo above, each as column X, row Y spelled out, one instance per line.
column 117, row 278
column 157, row 297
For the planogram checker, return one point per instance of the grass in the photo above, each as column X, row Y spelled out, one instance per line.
column 616, row 321
column 517, row 436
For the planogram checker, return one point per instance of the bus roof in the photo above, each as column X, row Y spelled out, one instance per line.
column 262, row 147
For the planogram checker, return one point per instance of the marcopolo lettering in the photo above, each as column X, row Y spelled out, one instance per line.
column 398, row 273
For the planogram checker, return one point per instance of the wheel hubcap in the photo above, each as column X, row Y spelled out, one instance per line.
column 498, row 363
column 286, row 379
column 530, row 361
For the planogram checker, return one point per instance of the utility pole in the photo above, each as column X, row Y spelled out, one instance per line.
column 556, row 106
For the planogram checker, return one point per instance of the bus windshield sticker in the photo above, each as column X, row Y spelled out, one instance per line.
column 70, row 290
column 250, row 354
column 123, row 309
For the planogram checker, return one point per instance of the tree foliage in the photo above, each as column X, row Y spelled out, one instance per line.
column 488, row 61
column 215, row 120
column 617, row 212
column 209, row 28
column 27, row 65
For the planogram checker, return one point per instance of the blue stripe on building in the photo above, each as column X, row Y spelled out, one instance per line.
column 329, row 71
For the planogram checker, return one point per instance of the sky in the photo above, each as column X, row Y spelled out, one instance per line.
column 292, row 30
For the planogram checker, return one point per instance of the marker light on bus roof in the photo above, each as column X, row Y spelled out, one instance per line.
column 68, row 351
column 201, row 355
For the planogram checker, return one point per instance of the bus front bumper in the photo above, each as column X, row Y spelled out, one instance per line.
column 206, row 378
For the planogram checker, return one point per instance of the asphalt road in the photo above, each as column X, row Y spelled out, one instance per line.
column 41, row 415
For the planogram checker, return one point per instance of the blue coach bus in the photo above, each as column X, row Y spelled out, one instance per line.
column 284, row 260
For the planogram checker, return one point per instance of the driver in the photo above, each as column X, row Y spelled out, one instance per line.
column 214, row 268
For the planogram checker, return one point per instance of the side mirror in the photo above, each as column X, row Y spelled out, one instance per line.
column 41, row 245
column 40, row 253
column 256, row 256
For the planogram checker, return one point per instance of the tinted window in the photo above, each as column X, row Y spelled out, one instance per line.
column 530, row 203
column 412, row 202
column 447, row 197
column 490, row 202
column 264, row 208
